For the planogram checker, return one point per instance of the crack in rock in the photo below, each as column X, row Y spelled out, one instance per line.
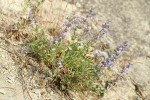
column 137, row 89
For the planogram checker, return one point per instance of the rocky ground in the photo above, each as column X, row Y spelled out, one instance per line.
column 130, row 21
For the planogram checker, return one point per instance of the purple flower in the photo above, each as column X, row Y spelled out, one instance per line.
column 87, row 22
column 99, row 55
column 71, row 27
column 109, row 87
column 110, row 63
column 104, row 31
column 122, row 47
column 30, row 17
column 125, row 72
column 113, row 55
column 101, row 71
column 60, row 64
column 78, row 22
column 121, row 78
column 57, row 40
column 64, row 35
column 106, row 25
column 105, row 60
column 87, row 29
column 115, row 74
column 97, row 37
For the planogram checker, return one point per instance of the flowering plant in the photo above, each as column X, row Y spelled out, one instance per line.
column 67, row 55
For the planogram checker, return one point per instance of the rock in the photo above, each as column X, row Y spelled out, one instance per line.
column 123, row 91
column 11, row 10
column 2, row 91
column 78, row 5
column 13, row 89
column 140, row 75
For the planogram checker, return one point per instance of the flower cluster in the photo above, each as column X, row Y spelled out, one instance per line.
column 109, row 66
column 83, row 28
column 122, row 48
column 113, row 56
column 125, row 70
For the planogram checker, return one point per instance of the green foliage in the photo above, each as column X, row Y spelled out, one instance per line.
column 75, row 71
